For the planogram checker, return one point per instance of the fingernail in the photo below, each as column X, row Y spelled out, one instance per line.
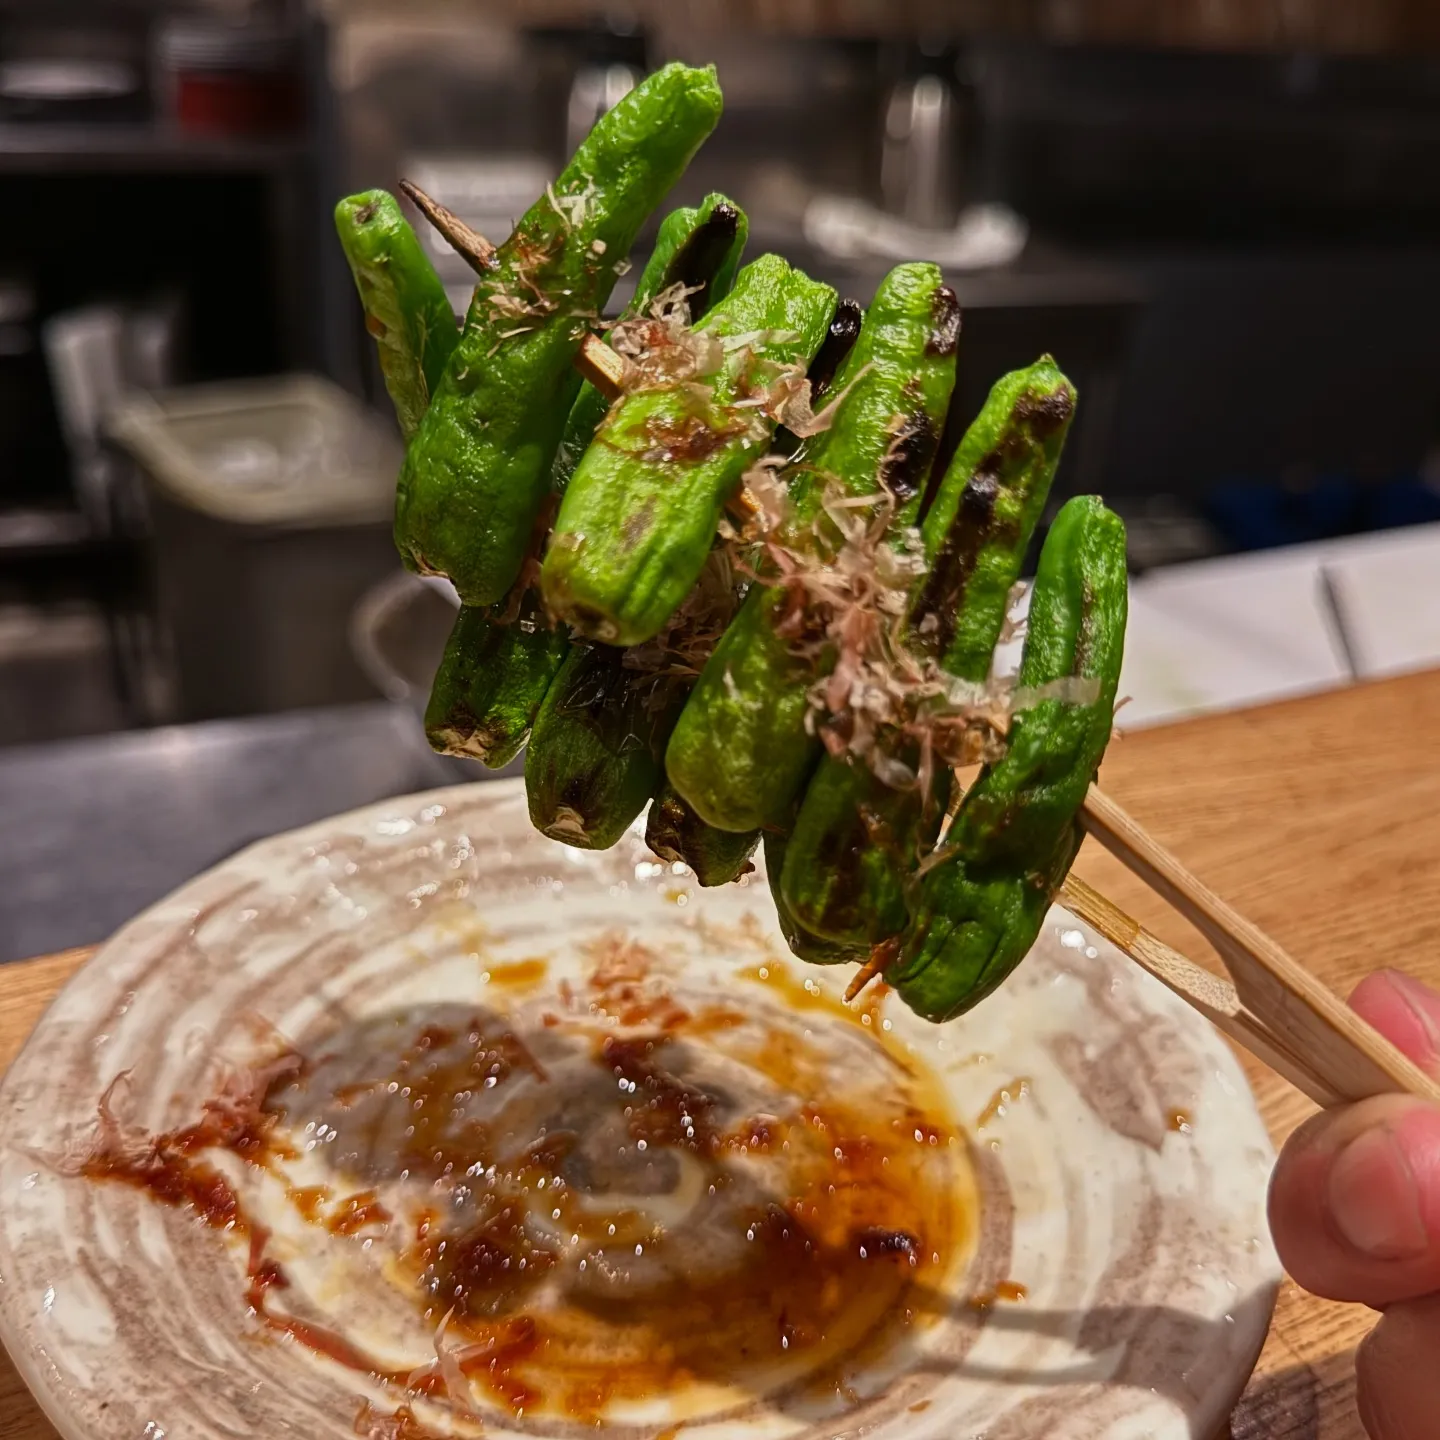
column 1424, row 1004
column 1374, row 1201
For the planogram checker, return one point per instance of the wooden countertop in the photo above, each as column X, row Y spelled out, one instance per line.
column 1311, row 817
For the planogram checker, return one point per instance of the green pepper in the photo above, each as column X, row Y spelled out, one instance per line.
column 490, row 686
column 640, row 515
column 594, row 758
column 856, row 839
column 406, row 310
column 570, row 799
column 673, row 830
column 697, row 248
column 1001, row 477
column 479, row 469
column 491, row 680
column 979, row 911
column 677, row 834
column 803, row 945
column 743, row 749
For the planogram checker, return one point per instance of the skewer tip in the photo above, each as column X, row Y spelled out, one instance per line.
column 475, row 250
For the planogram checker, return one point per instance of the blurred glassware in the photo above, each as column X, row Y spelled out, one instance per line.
column 783, row 204
column 89, row 69
column 982, row 237
column 96, row 356
column 920, row 166
column 397, row 634
column 613, row 64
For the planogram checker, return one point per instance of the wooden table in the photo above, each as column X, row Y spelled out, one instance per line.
column 1312, row 817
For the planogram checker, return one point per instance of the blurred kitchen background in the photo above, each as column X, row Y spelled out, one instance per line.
column 1221, row 216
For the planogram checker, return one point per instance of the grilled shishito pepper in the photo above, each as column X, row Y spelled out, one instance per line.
column 741, row 751
column 479, row 468
column 676, row 833
column 406, row 310
column 977, row 914
column 490, row 683
column 493, row 675
column 594, row 758
column 856, row 840
column 803, row 945
column 640, row 514
column 673, row 830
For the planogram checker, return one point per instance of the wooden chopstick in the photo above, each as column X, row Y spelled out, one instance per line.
column 1275, row 1008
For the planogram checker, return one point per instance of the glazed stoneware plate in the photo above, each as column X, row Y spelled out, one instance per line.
column 416, row 1124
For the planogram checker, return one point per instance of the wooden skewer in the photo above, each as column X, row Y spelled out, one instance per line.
column 477, row 252
column 882, row 956
column 603, row 367
column 1275, row 1008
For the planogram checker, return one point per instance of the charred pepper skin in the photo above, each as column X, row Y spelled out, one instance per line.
column 839, row 341
column 677, row 834
column 803, row 945
column 594, row 759
column 406, row 311
column 490, row 686
column 641, row 511
column 479, row 468
column 978, row 913
column 996, row 487
column 490, row 683
column 741, row 752
column 856, row 840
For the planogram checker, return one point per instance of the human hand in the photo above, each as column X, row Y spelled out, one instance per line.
column 1355, row 1212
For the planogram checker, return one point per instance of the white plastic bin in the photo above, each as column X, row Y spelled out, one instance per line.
column 271, row 505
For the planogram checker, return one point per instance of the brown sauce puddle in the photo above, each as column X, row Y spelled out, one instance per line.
column 630, row 1224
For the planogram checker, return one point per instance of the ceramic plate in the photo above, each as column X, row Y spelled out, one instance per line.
column 416, row 1124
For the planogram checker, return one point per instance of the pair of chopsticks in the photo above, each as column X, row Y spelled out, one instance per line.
column 1271, row 1005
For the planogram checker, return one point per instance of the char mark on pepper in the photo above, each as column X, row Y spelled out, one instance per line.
column 837, row 344
column 907, row 463
column 945, row 323
column 944, row 591
column 698, row 259
column 1046, row 413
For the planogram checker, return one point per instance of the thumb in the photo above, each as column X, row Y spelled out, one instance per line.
column 1355, row 1200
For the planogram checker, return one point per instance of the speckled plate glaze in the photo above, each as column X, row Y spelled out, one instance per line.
column 1098, row 1150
